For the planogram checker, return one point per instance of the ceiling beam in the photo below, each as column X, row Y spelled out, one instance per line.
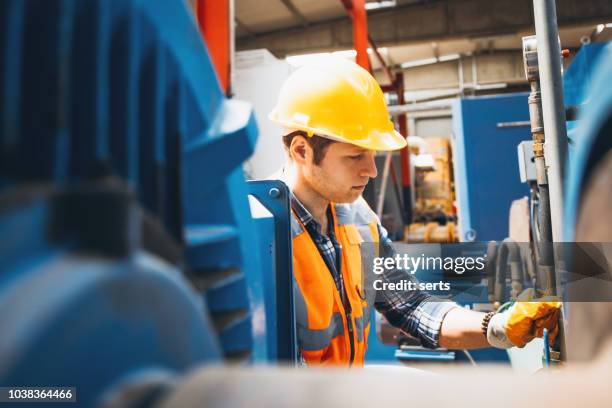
column 296, row 13
column 432, row 21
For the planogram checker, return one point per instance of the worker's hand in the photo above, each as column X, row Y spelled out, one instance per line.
column 524, row 320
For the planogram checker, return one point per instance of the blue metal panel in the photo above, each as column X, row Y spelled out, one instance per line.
column 485, row 163
column 591, row 142
column 120, row 172
column 377, row 351
column 591, row 135
column 577, row 81
column 262, row 292
column 276, row 295
column 578, row 76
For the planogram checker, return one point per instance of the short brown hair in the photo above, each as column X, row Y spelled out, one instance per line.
column 318, row 144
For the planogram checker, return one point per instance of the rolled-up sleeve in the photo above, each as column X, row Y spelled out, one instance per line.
column 414, row 311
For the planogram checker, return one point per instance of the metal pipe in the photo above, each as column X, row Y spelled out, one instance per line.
column 460, row 74
column 490, row 267
column 397, row 110
column 398, row 194
column 232, row 44
column 553, row 108
column 380, row 59
column 508, row 257
column 543, row 237
column 360, row 33
column 474, row 73
column 383, row 186
column 499, row 285
column 213, row 18
column 356, row 10
column 546, row 262
column 517, row 274
column 404, row 155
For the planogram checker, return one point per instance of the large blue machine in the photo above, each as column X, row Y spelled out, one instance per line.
column 128, row 254
column 590, row 158
column 486, row 131
column 587, row 85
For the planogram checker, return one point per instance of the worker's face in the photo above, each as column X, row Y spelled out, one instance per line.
column 343, row 173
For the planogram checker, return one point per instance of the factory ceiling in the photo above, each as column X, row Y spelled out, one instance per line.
column 412, row 30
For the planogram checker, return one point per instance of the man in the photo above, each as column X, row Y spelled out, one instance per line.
column 335, row 119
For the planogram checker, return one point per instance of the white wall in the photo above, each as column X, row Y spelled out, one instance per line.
column 257, row 79
column 438, row 126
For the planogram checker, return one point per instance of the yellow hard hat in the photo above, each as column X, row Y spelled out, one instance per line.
column 337, row 99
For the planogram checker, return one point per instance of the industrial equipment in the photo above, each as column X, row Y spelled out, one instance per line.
column 127, row 241
column 434, row 212
column 538, row 261
column 486, row 131
column 587, row 202
column 540, row 214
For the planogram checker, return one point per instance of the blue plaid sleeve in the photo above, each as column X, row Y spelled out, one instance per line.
column 415, row 312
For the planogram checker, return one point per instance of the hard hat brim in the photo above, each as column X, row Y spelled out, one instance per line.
column 379, row 141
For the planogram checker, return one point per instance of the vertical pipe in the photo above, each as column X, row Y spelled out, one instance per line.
column 383, row 185
column 545, row 282
column 555, row 147
column 460, row 75
column 360, row 33
column 474, row 75
column 404, row 154
column 232, row 45
column 543, row 236
column 214, row 20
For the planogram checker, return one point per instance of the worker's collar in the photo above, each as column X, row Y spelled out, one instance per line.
column 307, row 219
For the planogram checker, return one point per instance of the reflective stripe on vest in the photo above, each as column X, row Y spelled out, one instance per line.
column 318, row 339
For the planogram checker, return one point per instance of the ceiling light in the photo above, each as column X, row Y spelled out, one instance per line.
column 418, row 63
column 428, row 61
column 449, row 57
column 374, row 5
column 485, row 87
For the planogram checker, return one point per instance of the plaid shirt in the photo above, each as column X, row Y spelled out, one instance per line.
column 414, row 312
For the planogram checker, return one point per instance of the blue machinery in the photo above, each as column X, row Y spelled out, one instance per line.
column 486, row 131
column 127, row 249
column 587, row 82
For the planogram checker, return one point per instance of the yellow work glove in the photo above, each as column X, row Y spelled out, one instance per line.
column 524, row 320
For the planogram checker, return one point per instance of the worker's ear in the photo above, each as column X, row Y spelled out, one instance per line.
column 300, row 150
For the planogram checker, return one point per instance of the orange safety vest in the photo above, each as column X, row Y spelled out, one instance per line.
column 326, row 332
